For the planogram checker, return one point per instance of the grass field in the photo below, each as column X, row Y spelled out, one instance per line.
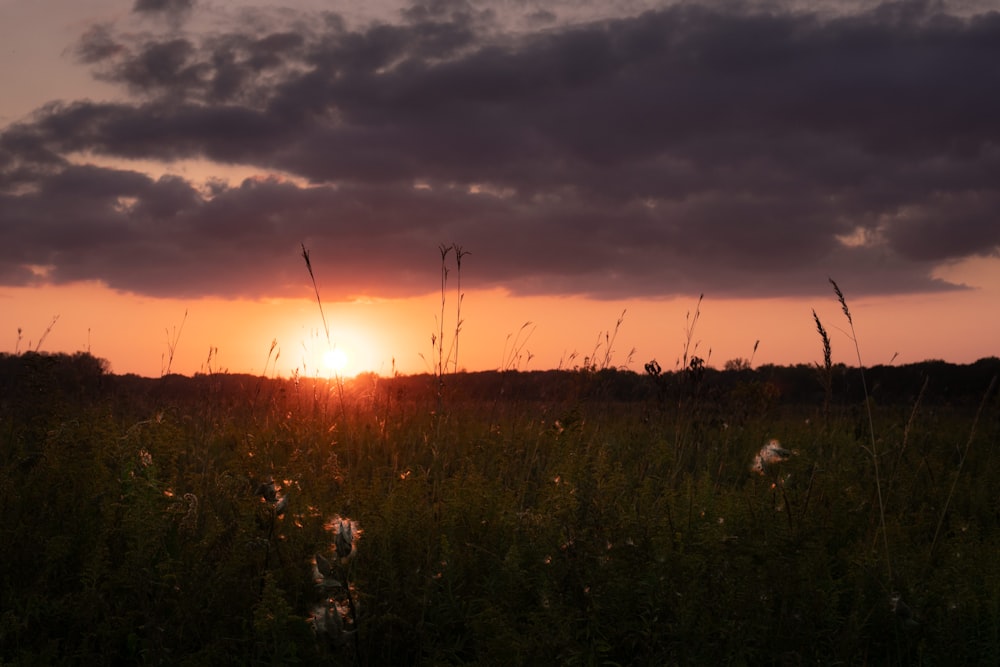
column 588, row 516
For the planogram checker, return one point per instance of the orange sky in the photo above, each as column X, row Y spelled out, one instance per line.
column 132, row 332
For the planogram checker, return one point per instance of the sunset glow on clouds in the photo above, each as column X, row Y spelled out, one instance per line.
column 621, row 157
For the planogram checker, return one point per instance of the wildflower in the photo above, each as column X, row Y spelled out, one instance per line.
column 770, row 454
column 345, row 537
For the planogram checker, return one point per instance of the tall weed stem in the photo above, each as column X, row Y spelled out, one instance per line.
column 326, row 327
column 871, row 426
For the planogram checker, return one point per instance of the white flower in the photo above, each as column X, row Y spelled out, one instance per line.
column 345, row 537
column 770, row 454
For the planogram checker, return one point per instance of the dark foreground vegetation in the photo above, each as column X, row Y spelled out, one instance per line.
column 576, row 517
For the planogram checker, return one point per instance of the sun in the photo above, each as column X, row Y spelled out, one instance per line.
column 335, row 360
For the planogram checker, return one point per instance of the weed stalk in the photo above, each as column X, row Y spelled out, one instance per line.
column 826, row 370
column 444, row 360
column 459, row 254
column 871, row 425
column 171, row 345
column 326, row 327
column 45, row 334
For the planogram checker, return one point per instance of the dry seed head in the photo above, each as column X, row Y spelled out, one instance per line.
column 827, row 360
column 345, row 537
column 843, row 302
column 770, row 454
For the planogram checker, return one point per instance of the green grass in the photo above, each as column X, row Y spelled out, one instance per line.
column 576, row 517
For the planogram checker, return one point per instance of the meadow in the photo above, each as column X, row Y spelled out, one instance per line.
column 589, row 516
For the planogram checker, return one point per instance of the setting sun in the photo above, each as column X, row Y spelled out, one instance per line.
column 335, row 360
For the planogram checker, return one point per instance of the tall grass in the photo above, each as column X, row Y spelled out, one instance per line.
column 319, row 301
column 872, row 450
column 41, row 339
column 546, row 525
column 45, row 334
column 826, row 370
column 459, row 298
column 166, row 364
column 326, row 327
column 514, row 352
column 444, row 357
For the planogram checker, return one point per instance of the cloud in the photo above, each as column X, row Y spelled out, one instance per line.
column 687, row 149
column 170, row 6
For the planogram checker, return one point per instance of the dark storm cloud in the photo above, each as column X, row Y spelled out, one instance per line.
column 689, row 149
column 163, row 5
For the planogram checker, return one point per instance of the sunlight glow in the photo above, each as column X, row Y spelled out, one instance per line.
column 335, row 360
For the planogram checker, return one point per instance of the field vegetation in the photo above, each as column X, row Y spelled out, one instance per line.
column 590, row 516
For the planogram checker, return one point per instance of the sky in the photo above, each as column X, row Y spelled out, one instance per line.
column 600, row 166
